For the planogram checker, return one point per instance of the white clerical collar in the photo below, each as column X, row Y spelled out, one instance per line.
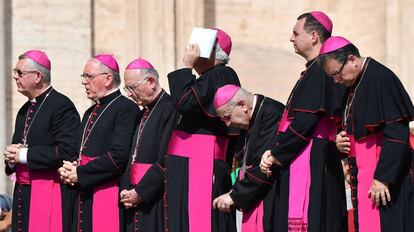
column 254, row 105
column 34, row 99
column 97, row 101
column 363, row 63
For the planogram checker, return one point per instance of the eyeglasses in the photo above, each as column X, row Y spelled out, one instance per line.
column 21, row 73
column 90, row 77
column 227, row 117
column 131, row 88
column 338, row 73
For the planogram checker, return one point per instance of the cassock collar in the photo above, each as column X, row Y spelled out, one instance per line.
column 152, row 104
column 259, row 100
column 309, row 62
column 42, row 95
column 108, row 97
column 363, row 67
column 212, row 68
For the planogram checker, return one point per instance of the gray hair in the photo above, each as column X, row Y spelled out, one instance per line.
column 114, row 74
column 221, row 56
column 150, row 72
column 37, row 67
column 241, row 95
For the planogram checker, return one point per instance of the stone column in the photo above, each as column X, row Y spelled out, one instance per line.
column 5, row 84
column 61, row 29
column 156, row 30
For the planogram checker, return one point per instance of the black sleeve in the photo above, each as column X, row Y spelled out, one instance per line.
column 182, row 82
column 64, row 126
column 394, row 154
column 248, row 192
column 267, row 134
column 125, row 180
column 294, row 139
column 195, row 96
column 115, row 160
column 254, row 187
column 151, row 186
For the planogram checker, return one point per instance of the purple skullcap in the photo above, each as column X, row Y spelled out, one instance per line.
column 323, row 19
column 333, row 43
column 39, row 57
column 224, row 94
column 139, row 64
column 224, row 40
column 108, row 60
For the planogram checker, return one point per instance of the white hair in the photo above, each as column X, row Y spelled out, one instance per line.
column 221, row 56
column 241, row 95
column 37, row 67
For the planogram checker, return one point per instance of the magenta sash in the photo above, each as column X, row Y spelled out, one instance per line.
column 366, row 151
column 201, row 151
column 138, row 171
column 300, row 178
column 45, row 212
column 105, row 211
column 252, row 220
column 22, row 174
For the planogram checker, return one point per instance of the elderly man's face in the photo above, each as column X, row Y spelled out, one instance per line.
column 342, row 72
column 26, row 77
column 302, row 41
column 237, row 115
column 139, row 87
column 95, row 80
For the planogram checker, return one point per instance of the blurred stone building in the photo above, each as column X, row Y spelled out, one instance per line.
column 72, row 31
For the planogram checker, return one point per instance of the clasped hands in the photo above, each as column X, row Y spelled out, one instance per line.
column 11, row 153
column 130, row 198
column 68, row 173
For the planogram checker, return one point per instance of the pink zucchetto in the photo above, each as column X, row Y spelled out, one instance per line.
column 139, row 64
column 39, row 57
column 224, row 94
column 333, row 43
column 224, row 40
column 323, row 19
column 108, row 60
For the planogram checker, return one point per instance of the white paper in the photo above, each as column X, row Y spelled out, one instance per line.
column 205, row 39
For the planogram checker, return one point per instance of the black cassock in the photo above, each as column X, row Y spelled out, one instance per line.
column 196, row 167
column 152, row 135
column 377, row 116
column 107, row 129
column 51, row 138
column 317, row 203
column 254, row 193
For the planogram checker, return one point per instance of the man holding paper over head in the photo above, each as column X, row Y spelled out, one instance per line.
column 196, row 167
